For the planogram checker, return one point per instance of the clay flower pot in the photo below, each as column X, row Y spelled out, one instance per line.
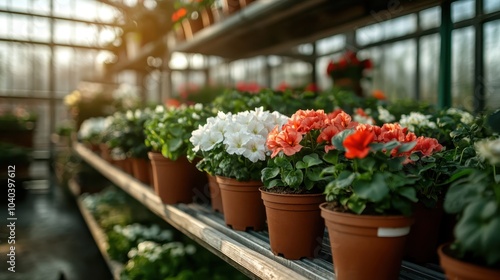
column 364, row 246
column 461, row 270
column 173, row 181
column 141, row 170
column 215, row 194
column 243, row 207
column 294, row 222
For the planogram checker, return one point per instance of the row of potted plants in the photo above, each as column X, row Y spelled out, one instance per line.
column 360, row 169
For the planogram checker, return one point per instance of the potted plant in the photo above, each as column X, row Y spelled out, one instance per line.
column 436, row 171
column 17, row 126
column 232, row 147
column 91, row 132
column 167, row 135
column 474, row 197
column 370, row 196
column 126, row 136
column 348, row 71
column 292, row 185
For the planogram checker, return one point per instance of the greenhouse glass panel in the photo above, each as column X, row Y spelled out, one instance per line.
column 461, row 10
column 492, row 64
column 430, row 18
column 462, row 88
column 491, row 6
column 429, row 68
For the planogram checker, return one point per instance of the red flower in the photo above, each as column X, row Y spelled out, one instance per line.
column 378, row 94
column 251, row 87
column 427, row 146
column 287, row 140
column 330, row 68
column 311, row 87
column 367, row 64
column 179, row 14
column 283, row 86
column 357, row 144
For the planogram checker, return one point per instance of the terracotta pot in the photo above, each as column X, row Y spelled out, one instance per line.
column 127, row 166
column 207, row 17
column 230, row 7
column 105, row 152
column 459, row 270
column 141, row 170
column 422, row 241
column 243, row 207
column 298, row 214
column 244, row 3
column 173, row 181
column 349, row 84
column 191, row 26
column 365, row 245
column 215, row 194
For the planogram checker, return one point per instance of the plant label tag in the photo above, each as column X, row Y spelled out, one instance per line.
column 393, row 232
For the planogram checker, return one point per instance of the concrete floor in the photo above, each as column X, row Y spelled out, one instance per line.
column 52, row 239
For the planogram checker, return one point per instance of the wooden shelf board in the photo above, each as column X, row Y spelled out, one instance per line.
column 248, row 251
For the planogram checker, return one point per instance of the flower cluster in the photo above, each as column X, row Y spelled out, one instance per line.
column 139, row 233
column 348, row 66
column 233, row 145
column 367, row 172
column 151, row 260
column 298, row 147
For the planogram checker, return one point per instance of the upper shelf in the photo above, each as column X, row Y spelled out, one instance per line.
column 276, row 26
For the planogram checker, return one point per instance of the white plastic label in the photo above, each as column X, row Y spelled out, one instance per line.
column 393, row 232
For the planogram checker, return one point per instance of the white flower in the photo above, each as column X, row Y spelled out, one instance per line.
column 416, row 120
column 235, row 142
column 198, row 106
column 363, row 119
column 132, row 253
column 129, row 115
column 489, row 150
column 384, row 115
column 190, row 249
column 159, row 109
column 255, row 149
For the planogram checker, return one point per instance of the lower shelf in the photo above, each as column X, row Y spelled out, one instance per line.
column 97, row 233
column 247, row 251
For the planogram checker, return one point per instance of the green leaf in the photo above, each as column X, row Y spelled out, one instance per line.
column 374, row 190
column 174, row 144
column 356, row 205
column 331, row 157
column 283, row 163
column 409, row 193
column 293, row 178
column 328, row 170
column 314, row 174
column 269, row 172
column 345, row 179
column 312, row 160
column 338, row 139
column 407, row 147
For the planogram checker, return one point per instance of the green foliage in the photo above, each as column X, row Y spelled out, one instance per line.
column 300, row 174
column 13, row 154
column 372, row 185
column 169, row 129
